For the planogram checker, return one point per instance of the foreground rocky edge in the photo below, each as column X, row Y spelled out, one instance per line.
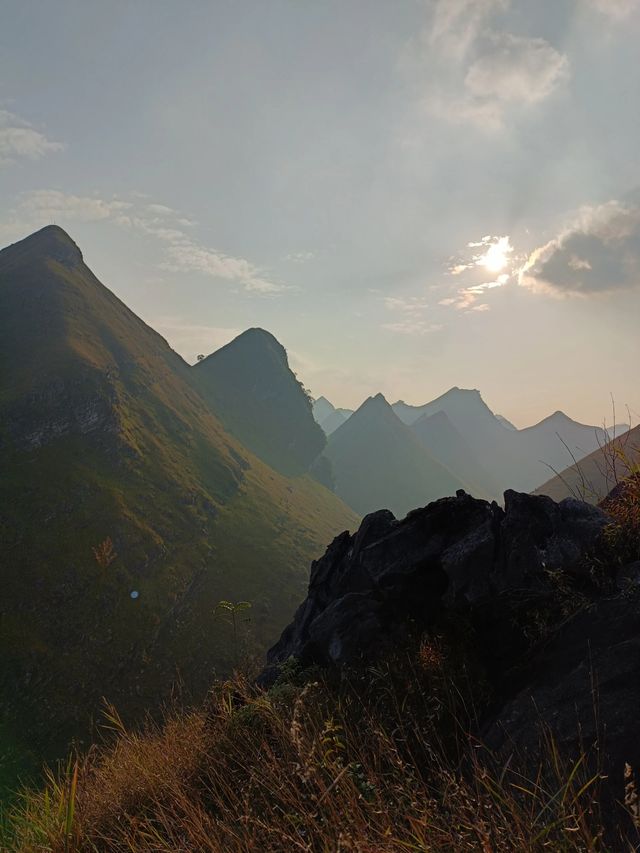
column 552, row 616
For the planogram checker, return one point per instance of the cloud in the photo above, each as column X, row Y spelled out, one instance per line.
column 475, row 73
column 467, row 297
column 53, row 205
column 412, row 320
column 188, row 256
column 18, row 139
column 598, row 253
column 490, row 254
column 412, row 326
column 516, row 69
column 619, row 10
column 407, row 304
column 299, row 257
column 456, row 24
column 182, row 253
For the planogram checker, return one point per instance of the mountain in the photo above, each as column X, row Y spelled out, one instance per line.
column 557, row 440
column 321, row 409
column 249, row 385
column 328, row 416
column 336, row 419
column 519, row 459
column 377, row 461
column 486, row 437
column 505, row 422
column 594, row 476
column 128, row 512
column 443, row 441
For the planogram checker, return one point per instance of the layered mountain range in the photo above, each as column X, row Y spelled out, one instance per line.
column 464, row 442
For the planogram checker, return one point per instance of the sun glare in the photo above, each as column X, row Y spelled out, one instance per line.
column 496, row 257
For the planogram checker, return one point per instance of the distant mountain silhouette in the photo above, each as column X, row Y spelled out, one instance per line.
column 251, row 388
column 328, row 416
column 378, row 461
column 321, row 409
column 519, row 459
column 443, row 441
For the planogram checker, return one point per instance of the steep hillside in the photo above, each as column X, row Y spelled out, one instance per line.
column 443, row 441
column 593, row 477
column 377, row 461
column 128, row 512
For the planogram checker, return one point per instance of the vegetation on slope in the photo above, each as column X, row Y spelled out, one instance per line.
column 370, row 759
column 365, row 761
column 103, row 436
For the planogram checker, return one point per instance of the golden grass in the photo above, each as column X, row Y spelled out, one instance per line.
column 373, row 761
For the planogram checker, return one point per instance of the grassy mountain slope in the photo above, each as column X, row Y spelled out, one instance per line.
column 103, row 434
column 250, row 386
column 594, row 476
column 378, row 462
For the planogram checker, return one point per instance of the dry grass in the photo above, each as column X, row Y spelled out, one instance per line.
column 623, row 534
column 379, row 759
column 372, row 762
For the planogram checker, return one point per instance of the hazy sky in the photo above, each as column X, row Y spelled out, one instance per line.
column 322, row 168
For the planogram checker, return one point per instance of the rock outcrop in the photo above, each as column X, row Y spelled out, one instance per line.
column 504, row 572
column 457, row 551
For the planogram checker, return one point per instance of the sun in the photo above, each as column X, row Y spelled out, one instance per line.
column 496, row 257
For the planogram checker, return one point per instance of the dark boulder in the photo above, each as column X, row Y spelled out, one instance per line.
column 583, row 688
column 369, row 587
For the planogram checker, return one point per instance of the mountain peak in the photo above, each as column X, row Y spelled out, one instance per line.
column 377, row 403
column 49, row 243
column 251, row 388
column 253, row 343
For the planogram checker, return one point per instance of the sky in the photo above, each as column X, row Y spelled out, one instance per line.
column 410, row 195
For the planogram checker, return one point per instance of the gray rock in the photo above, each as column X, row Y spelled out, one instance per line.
column 456, row 551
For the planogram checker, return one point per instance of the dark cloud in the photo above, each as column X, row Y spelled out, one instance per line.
column 598, row 254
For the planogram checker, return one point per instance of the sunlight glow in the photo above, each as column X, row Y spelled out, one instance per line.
column 496, row 257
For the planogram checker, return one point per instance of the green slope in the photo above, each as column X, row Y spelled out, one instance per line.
column 103, row 434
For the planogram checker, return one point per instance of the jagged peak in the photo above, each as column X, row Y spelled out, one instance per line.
column 374, row 407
